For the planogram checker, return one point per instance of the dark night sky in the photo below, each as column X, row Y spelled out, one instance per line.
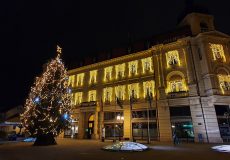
column 30, row 30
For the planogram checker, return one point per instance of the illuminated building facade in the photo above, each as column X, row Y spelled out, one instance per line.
column 178, row 83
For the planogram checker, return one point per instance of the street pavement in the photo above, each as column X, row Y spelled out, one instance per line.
column 73, row 149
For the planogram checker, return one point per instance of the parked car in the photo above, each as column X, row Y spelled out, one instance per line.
column 12, row 136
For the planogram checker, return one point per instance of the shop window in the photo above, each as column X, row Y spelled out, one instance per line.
column 143, row 114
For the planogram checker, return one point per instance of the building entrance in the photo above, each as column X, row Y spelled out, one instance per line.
column 90, row 126
column 181, row 123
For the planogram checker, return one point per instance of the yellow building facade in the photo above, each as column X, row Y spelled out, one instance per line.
column 177, row 87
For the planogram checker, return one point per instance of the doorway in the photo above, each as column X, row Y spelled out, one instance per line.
column 90, row 126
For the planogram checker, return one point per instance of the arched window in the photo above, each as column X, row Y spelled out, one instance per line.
column 224, row 81
column 176, row 84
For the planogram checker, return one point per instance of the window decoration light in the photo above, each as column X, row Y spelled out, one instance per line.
column 71, row 81
column 224, row 82
column 120, row 70
column 177, row 85
column 92, row 95
column 149, row 88
column 80, row 79
column 120, row 92
column 172, row 58
column 133, row 90
column 78, row 98
column 108, row 73
column 147, row 65
column 133, row 67
column 93, row 77
column 107, row 94
column 218, row 52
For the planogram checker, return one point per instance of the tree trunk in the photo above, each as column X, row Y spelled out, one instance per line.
column 45, row 140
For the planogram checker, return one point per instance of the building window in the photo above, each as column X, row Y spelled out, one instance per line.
column 71, row 81
column 133, row 90
column 224, row 82
column 218, row 52
column 120, row 92
column 77, row 98
column 177, row 86
column 93, row 77
column 92, row 95
column 147, row 65
column 172, row 58
column 133, row 68
column 80, row 78
column 108, row 74
column 108, row 94
column 120, row 70
column 149, row 87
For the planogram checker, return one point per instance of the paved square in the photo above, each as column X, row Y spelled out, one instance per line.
column 68, row 149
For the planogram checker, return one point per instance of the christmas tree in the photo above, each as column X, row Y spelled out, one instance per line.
column 48, row 105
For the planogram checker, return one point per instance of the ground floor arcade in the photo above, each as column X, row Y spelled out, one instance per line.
column 192, row 119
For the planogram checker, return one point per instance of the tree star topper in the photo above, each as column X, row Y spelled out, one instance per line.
column 59, row 49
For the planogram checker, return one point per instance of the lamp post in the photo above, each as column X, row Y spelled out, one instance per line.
column 149, row 97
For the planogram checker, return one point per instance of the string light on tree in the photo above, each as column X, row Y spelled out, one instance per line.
column 48, row 102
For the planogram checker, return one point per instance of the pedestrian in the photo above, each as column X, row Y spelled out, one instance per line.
column 175, row 138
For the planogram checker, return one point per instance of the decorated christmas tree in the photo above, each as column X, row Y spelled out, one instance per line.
column 48, row 106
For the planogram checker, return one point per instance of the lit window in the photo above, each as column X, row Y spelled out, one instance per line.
column 71, row 81
column 93, row 77
column 92, row 95
column 178, row 85
column 147, row 65
column 80, row 78
column 108, row 74
column 120, row 92
column 77, row 98
column 120, row 70
column 218, row 52
column 149, row 87
column 133, row 68
column 133, row 90
column 108, row 94
column 224, row 81
column 172, row 58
